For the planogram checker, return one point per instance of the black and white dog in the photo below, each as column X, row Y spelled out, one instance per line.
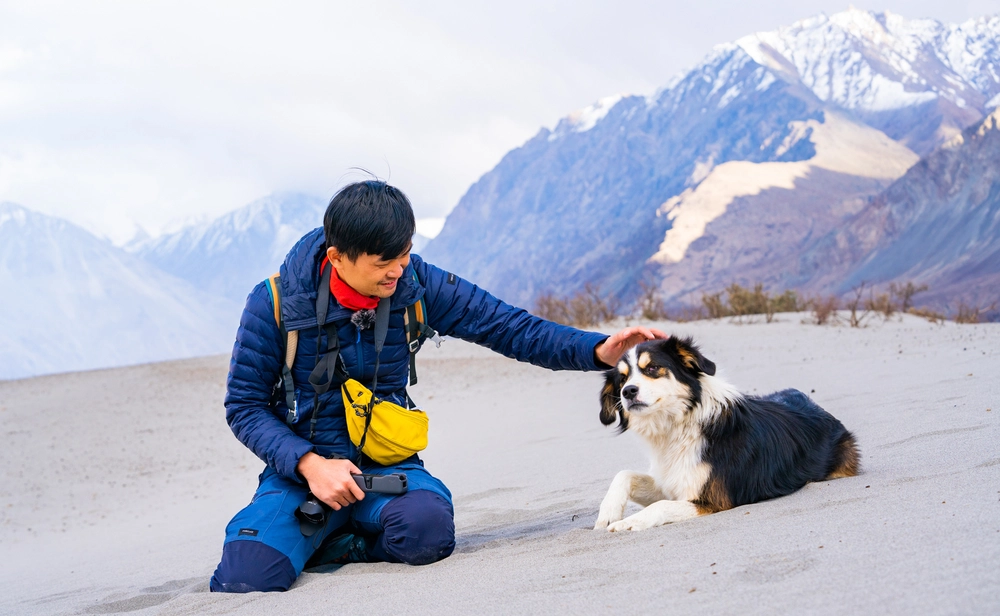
column 712, row 448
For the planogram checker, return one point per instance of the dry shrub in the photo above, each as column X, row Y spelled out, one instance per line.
column 931, row 315
column 881, row 304
column 824, row 309
column 904, row 294
column 898, row 299
column 651, row 306
column 972, row 314
column 787, row 302
column 854, row 305
column 552, row 308
column 714, row 306
column 742, row 303
column 586, row 308
column 689, row 313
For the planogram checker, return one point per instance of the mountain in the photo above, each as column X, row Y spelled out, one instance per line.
column 919, row 81
column 731, row 171
column 231, row 254
column 75, row 302
column 938, row 225
column 624, row 189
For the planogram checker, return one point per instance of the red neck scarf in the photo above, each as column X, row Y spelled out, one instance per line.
column 347, row 296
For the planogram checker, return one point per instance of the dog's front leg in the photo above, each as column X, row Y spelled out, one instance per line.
column 627, row 485
column 659, row 513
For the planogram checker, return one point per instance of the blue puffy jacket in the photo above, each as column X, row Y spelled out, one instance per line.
column 455, row 308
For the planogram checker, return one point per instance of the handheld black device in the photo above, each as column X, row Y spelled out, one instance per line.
column 394, row 483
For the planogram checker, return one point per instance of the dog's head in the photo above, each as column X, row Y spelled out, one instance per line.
column 656, row 377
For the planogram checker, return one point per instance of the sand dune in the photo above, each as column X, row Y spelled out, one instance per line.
column 117, row 485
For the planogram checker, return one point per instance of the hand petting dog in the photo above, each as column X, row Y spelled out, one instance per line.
column 611, row 350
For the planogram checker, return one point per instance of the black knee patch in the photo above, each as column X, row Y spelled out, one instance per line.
column 419, row 529
column 249, row 566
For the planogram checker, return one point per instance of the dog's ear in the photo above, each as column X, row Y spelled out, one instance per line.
column 691, row 357
column 610, row 398
column 611, row 406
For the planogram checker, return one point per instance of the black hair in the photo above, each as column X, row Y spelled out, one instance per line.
column 369, row 217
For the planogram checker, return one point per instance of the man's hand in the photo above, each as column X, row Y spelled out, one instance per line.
column 611, row 350
column 330, row 480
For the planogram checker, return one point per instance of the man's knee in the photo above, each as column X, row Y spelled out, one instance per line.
column 249, row 566
column 419, row 529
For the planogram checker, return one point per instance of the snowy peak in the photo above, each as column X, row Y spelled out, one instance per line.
column 234, row 252
column 585, row 119
column 876, row 64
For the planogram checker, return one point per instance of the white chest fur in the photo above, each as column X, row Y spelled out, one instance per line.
column 676, row 463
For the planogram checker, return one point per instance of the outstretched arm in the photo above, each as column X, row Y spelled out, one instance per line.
column 459, row 308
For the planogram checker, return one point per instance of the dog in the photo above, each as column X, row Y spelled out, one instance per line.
column 712, row 448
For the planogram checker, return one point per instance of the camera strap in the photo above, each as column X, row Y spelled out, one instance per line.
column 381, row 328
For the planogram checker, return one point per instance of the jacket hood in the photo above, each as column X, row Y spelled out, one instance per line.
column 300, row 281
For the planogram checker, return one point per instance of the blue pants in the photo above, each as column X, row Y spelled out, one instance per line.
column 265, row 549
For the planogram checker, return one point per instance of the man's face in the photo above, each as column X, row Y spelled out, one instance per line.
column 370, row 275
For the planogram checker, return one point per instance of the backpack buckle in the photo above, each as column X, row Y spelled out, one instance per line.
column 414, row 346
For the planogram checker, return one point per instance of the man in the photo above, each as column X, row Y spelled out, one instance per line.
column 366, row 240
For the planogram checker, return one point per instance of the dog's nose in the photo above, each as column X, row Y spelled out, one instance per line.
column 630, row 392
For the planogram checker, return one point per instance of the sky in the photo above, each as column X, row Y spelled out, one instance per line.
column 126, row 115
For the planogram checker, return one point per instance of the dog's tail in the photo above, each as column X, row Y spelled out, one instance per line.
column 846, row 457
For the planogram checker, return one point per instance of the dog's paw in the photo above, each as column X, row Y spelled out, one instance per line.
column 601, row 523
column 633, row 522
column 608, row 514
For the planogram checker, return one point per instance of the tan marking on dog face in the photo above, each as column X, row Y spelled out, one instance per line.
column 644, row 360
column 623, row 368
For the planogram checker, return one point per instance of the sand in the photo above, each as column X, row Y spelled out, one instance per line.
column 117, row 486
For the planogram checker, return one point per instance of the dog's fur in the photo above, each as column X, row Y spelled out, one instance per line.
column 712, row 448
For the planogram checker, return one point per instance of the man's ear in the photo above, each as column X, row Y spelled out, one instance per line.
column 333, row 255
column 611, row 401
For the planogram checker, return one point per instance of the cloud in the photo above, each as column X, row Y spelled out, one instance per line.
column 115, row 113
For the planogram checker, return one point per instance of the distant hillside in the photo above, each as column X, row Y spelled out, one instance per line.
column 75, row 302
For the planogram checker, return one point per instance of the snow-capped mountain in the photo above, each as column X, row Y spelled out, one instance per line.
column 938, row 225
column 919, row 81
column 75, row 302
column 731, row 171
column 231, row 254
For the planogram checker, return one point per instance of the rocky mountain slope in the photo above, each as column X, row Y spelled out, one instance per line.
column 75, row 302
column 937, row 225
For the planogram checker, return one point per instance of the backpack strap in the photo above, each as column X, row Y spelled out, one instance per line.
column 291, row 340
column 417, row 330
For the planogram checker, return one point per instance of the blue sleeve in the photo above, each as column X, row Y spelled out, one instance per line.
column 456, row 307
column 254, row 370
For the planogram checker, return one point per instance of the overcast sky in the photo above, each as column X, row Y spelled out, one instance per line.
column 114, row 114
